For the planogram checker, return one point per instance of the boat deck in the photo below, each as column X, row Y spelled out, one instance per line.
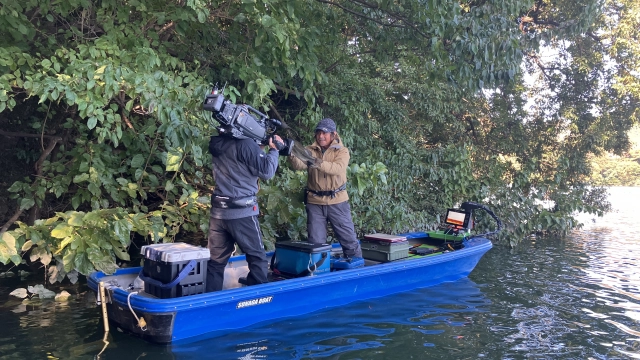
column 238, row 267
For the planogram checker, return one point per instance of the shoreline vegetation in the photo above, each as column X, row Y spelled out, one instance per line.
column 615, row 170
column 105, row 141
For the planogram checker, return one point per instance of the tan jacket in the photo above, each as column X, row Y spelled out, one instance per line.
column 331, row 174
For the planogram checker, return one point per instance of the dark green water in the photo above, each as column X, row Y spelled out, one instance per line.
column 577, row 298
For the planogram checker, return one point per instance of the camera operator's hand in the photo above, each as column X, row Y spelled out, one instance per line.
column 275, row 142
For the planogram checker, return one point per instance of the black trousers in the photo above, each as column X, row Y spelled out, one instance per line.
column 222, row 235
column 339, row 216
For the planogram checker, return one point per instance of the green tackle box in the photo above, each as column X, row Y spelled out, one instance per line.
column 384, row 247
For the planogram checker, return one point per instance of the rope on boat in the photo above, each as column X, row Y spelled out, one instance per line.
column 141, row 322
column 309, row 265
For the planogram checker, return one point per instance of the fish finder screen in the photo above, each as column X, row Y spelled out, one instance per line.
column 457, row 218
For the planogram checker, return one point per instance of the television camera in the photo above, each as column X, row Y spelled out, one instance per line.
column 245, row 122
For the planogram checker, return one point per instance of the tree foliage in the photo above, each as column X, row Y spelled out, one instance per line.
column 618, row 170
column 432, row 99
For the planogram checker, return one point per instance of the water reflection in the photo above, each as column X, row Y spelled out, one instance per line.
column 384, row 327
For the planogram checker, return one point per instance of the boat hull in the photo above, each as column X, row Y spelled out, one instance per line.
column 176, row 319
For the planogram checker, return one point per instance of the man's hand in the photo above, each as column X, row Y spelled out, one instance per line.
column 272, row 143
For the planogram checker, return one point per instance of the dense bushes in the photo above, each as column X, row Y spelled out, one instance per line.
column 429, row 97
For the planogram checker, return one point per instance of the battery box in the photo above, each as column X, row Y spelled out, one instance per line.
column 164, row 263
column 298, row 258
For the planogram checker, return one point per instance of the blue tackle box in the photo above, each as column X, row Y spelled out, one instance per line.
column 298, row 258
column 174, row 269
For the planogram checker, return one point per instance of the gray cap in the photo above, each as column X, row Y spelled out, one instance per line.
column 326, row 125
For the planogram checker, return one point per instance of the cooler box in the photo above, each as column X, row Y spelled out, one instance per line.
column 164, row 263
column 384, row 247
column 297, row 258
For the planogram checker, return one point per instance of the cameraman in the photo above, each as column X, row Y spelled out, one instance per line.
column 237, row 166
column 326, row 195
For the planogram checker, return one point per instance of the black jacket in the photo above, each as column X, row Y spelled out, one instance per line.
column 237, row 165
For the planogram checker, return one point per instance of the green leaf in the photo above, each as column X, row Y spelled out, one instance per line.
column 174, row 156
column 61, row 231
column 68, row 260
column 80, row 178
column 76, row 219
column 137, row 161
column 27, row 245
column 66, row 241
column 92, row 122
column 117, row 249
column 75, row 201
column 26, row 204
column 7, row 247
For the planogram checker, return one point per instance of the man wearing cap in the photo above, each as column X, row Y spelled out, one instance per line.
column 326, row 194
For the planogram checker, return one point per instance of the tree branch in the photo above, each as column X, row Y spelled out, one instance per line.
column 34, row 212
column 10, row 222
column 21, row 134
column 288, row 91
column 120, row 100
column 358, row 14
column 594, row 36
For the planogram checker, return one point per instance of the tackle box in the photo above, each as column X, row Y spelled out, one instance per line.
column 298, row 258
column 163, row 263
column 384, row 247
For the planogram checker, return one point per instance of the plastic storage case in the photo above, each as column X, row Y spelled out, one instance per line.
column 163, row 262
column 384, row 247
column 296, row 258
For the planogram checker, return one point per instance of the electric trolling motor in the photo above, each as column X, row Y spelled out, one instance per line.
column 244, row 122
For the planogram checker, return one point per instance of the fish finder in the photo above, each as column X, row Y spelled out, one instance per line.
column 459, row 219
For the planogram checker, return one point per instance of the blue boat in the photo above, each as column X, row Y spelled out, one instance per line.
column 183, row 318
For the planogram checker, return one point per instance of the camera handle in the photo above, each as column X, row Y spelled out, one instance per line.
column 263, row 117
